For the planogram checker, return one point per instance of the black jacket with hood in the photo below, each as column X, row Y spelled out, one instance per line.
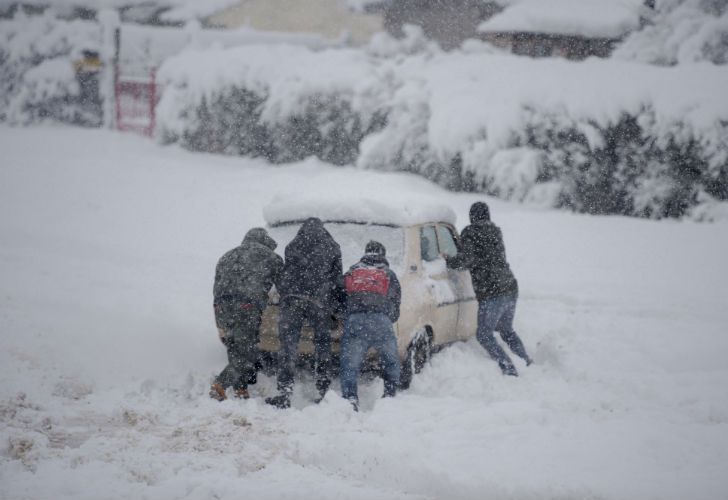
column 247, row 273
column 313, row 268
column 482, row 251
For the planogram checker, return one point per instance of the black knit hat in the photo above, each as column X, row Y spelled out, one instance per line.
column 479, row 212
column 374, row 247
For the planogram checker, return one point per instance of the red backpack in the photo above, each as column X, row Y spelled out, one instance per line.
column 367, row 279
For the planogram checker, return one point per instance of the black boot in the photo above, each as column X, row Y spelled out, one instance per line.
column 508, row 369
column 390, row 389
column 322, row 385
column 281, row 401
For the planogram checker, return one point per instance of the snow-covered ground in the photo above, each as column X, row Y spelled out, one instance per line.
column 107, row 347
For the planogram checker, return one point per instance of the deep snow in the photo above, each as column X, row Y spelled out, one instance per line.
column 107, row 346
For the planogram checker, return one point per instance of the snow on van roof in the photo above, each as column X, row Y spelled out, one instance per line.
column 400, row 212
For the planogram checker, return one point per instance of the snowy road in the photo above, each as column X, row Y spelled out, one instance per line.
column 107, row 346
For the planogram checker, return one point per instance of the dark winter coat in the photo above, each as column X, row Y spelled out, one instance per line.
column 482, row 252
column 371, row 302
column 247, row 273
column 313, row 269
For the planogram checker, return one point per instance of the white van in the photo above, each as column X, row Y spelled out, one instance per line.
column 438, row 304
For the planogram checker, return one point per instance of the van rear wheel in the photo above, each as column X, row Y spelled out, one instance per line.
column 419, row 353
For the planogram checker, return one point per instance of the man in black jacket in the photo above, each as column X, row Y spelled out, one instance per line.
column 373, row 299
column 311, row 275
column 243, row 278
column 483, row 253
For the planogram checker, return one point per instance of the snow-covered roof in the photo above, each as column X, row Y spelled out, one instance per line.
column 151, row 45
column 397, row 212
column 174, row 10
column 588, row 18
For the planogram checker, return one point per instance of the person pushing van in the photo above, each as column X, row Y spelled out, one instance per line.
column 243, row 278
column 311, row 276
column 373, row 300
column 483, row 253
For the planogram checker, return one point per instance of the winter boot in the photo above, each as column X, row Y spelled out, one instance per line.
column 242, row 393
column 281, row 401
column 322, row 385
column 390, row 389
column 508, row 369
column 217, row 391
column 354, row 403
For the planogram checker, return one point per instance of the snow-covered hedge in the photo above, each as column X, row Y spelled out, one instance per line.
column 596, row 136
column 283, row 103
column 37, row 78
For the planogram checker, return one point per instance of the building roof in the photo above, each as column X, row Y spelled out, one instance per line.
column 587, row 18
column 135, row 10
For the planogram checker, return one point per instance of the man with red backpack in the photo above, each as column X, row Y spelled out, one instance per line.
column 373, row 299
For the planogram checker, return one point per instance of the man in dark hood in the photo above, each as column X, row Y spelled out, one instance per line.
column 311, row 276
column 374, row 296
column 483, row 253
column 243, row 278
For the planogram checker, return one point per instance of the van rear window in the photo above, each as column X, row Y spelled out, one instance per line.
column 352, row 238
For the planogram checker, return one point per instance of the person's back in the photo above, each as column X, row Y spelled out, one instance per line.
column 248, row 271
column 313, row 264
column 372, row 287
column 483, row 253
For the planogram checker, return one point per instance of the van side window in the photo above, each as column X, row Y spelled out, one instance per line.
column 428, row 243
column 447, row 241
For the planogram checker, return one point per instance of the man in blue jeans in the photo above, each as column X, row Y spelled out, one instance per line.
column 483, row 253
column 373, row 300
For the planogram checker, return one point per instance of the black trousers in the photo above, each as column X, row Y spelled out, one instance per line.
column 295, row 312
column 241, row 324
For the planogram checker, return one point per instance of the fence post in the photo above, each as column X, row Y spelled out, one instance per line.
column 152, row 102
column 110, row 39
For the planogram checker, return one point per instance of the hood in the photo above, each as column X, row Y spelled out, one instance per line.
column 312, row 231
column 261, row 236
column 479, row 212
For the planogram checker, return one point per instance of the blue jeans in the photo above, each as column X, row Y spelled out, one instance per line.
column 497, row 314
column 361, row 332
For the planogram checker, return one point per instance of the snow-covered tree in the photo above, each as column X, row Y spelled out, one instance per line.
column 681, row 31
column 37, row 78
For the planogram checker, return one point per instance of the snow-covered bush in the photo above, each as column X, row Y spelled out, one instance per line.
column 599, row 136
column 283, row 103
column 681, row 31
column 37, row 78
column 624, row 169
